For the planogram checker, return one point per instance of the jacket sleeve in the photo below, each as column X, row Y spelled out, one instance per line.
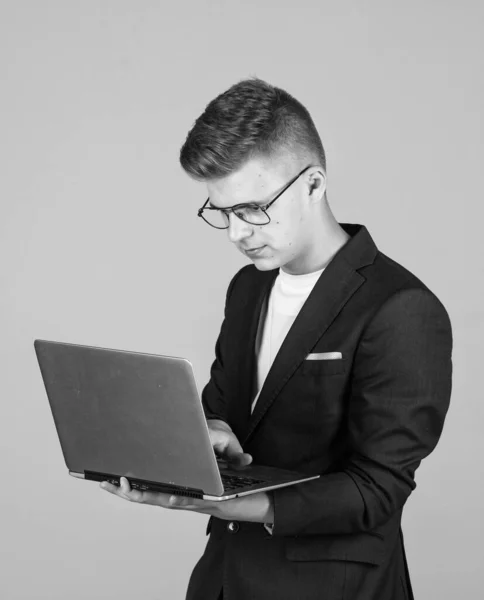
column 400, row 394
column 213, row 394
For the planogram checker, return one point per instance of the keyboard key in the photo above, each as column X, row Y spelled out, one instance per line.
column 233, row 482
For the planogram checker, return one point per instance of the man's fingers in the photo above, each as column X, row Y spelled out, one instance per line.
column 236, row 454
column 123, row 490
column 241, row 459
column 158, row 499
column 227, row 446
column 124, row 485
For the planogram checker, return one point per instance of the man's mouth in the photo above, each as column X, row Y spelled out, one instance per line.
column 254, row 251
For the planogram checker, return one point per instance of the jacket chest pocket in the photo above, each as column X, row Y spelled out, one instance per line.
column 322, row 382
column 312, row 401
column 323, row 367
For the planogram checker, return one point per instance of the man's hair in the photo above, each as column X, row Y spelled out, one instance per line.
column 251, row 119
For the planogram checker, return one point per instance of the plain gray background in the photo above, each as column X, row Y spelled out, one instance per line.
column 100, row 243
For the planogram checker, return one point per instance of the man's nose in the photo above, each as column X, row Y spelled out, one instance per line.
column 238, row 229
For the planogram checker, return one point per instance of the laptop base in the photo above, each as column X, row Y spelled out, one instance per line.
column 175, row 490
column 141, row 484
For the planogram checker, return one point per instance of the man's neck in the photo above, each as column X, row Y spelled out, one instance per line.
column 326, row 245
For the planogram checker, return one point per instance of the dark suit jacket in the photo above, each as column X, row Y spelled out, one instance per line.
column 364, row 423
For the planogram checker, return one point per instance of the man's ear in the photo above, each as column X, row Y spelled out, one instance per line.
column 317, row 185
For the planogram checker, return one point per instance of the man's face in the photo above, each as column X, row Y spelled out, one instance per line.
column 286, row 240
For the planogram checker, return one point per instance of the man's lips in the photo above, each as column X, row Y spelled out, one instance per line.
column 253, row 251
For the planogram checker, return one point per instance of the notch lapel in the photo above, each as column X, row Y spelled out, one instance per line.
column 338, row 282
column 245, row 334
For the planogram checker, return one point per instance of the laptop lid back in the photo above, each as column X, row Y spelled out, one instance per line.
column 128, row 413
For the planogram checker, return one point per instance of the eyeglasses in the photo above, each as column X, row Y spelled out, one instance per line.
column 252, row 213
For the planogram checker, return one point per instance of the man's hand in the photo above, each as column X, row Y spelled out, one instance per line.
column 226, row 445
column 257, row 508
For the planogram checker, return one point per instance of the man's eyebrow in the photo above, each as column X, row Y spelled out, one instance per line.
column 254, row 202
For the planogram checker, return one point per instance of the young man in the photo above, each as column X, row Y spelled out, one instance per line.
column 332, row 359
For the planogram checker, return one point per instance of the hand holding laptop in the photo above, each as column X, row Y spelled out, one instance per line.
column 256, row 507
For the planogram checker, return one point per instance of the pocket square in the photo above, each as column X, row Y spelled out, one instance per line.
column 324, row 356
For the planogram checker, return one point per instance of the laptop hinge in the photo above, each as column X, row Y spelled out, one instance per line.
column 144, row 484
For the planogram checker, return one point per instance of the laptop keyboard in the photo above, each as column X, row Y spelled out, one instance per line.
column 234, row 482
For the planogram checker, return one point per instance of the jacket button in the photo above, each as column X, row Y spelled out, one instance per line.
column 233, row 527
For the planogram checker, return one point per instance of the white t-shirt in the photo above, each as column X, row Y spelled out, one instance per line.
column 287, row 296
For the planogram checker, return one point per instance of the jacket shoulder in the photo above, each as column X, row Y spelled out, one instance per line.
column 387, row 278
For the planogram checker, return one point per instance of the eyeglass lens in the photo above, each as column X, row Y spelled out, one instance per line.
column 250, row 214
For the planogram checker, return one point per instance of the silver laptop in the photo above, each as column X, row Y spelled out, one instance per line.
column 140, row 416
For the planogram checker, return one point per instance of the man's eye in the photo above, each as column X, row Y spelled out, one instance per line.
column 246, row 210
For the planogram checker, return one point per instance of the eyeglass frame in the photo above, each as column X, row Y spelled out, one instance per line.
column 263, row 207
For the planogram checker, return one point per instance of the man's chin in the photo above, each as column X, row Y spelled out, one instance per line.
column 265, row 264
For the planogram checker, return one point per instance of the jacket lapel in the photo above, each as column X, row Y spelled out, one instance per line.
column 245, row 334
column 338, row 282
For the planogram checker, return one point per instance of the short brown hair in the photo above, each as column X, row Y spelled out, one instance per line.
column 252, row 118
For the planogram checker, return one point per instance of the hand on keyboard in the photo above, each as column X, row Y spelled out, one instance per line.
column 226, row 445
